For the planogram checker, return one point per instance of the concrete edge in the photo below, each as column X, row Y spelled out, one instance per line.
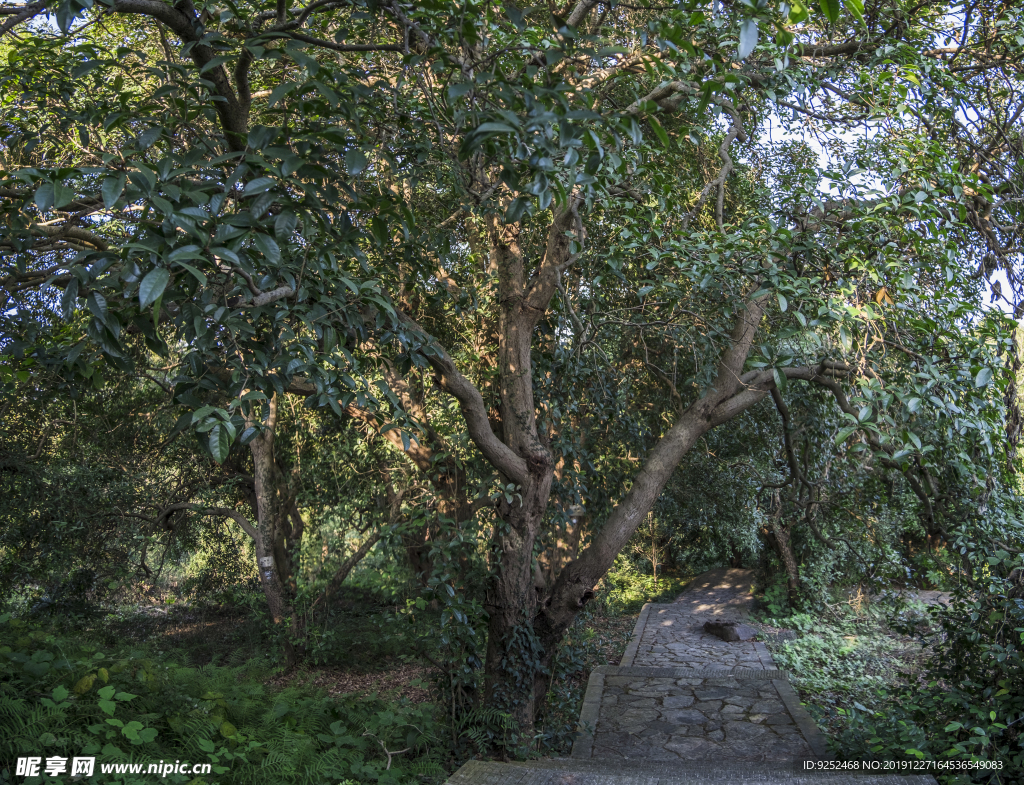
column 638, row 630
column 764, row 655
column 583, row 745
column 815, row 738
column 476, row 772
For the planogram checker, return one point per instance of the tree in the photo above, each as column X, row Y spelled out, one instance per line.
column 336, row 198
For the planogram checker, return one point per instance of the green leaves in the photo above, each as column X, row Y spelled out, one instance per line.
column 112, row 189
column 219, row 441
column 55, row 195
column 355, row 161
column 259, row 185
column 97, row 303
column 475, row 138
column 983, row 377
column 44, row 196
column 658, row 130
column 219, row 425
column 831, row 9
column 748, row 38
column 855, row 7
column 106, row 704
column 68, row 10
column 153, row 285
column 268, row 247
column 845, row 339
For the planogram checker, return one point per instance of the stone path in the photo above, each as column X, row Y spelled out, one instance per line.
column 673, row 634
column 682, row 694
column 686, row 707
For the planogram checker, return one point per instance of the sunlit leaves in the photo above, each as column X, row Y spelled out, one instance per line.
column 748, row 38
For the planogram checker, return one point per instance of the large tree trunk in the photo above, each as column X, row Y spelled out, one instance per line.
column 274, row 553
column 510, row 600
column 513, row 666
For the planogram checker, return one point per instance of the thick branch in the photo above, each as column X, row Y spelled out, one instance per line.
column 233, row 112
column 21, row 14
column 471, row 403
column 544, row 283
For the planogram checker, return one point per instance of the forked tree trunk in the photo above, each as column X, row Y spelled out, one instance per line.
column 523, row 634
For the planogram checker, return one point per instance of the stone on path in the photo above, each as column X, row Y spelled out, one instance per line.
column 730, row 630
column 687, row 707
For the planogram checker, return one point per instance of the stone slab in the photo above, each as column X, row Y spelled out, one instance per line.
column 730, row 631
column 670, row 635
column 477, row 772
column 670, row 715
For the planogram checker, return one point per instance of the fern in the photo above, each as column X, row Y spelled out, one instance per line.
column 223, row 715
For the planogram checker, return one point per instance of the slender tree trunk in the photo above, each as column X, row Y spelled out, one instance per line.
column 784, row 546
column 273, row 555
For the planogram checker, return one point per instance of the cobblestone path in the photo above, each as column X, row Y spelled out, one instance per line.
column 682, row 694
column 685, row 708
column 672, row 635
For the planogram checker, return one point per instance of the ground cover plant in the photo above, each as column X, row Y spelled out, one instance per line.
column 192, row 683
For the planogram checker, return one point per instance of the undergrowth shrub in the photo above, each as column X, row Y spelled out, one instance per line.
column 629, row 589
column 942, row 684
column 967, row 707
column 839, row 660
column 61, row 699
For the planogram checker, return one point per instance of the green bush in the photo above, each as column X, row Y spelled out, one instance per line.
column 969, row 705
column 61, row 699
column 629, row 589
column 839, row 660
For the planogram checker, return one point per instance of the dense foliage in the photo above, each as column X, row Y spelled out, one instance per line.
column 468, row 302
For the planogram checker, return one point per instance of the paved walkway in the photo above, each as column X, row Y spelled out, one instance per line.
column 683, row 694
column 686, row 708
column 673, row 635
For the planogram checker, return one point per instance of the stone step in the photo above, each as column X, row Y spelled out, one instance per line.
column 600, row 772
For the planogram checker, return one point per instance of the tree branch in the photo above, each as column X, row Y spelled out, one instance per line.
column 346, row 567
column 471, row 403
column 22, row 14
column 325, row 44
